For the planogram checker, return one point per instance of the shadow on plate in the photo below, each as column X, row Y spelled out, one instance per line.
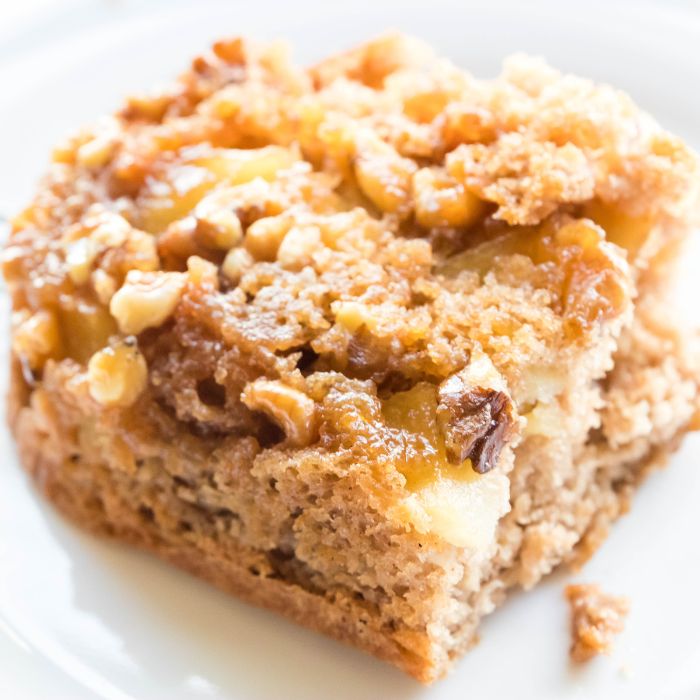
column 189, row 640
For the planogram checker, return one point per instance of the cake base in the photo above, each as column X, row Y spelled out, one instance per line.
column 103, row 501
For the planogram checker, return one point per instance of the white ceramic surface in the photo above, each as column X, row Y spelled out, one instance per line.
column 80, row 618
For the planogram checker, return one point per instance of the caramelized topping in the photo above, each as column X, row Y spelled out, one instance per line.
column 176, row 189
column 453, row 432
column 590, row 275
column 85, row 328
column 305, row 206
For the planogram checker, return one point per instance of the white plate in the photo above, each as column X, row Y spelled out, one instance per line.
column 81, row 618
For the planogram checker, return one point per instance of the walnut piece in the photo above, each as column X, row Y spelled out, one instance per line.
column 384, row 177
column 97, row 151
column 146, row 299
column 290, row 408
column 36, row 338
column 117, row 374
column 442, row 201
column 475, row 421
column 297, row 247
column 264, row 236
column 236, row 262
column 218, row 224
column 596, row 618
column 80, row 256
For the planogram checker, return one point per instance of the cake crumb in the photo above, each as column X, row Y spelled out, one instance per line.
column 596, row 617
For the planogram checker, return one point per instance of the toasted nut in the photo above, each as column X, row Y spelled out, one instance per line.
column 236, row 262
column 221, row 229
column 476, row 423
column 202, row 271
column 64, row 152
column 263, row 237
column 149, row 107
column 442, row 201
column 385, row 177
column 146, row 299
column 298, row 246
column 354, row 314
column 120, row 246
column 117, row 375
column 231, row 50
column 37, row 338
column 240, row 166
column 80, row 256
column 104, row 286
column 97, row 152
column 476, row 419
column 139, row 252
column 109, row 230
column 290, row 408
column 218, row 226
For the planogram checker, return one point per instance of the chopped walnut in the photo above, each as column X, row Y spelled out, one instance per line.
column 596, row 618
column 264, row 236
column 476, row 421
column 106, row 242
column 146, row 299
column 80, row 256
column 107, row 229
column 36, row 338
column 236, row 262
column 149, row 107
column 117, row 375
column 96, row 152
column 104, row 285
column 385, row 177
column 353, row 315
column 297, row 246
column 442, row 201
column 290, row 408
column 202, row 272
column 218, row 225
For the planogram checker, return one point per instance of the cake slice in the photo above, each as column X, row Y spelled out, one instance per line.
column 369, row 344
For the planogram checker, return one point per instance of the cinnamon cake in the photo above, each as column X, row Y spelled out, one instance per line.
column 369, row 343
